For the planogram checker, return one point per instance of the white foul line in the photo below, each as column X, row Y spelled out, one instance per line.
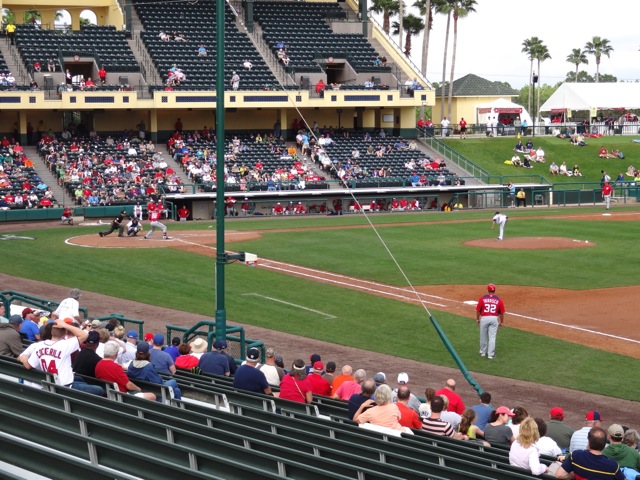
column 290, row 304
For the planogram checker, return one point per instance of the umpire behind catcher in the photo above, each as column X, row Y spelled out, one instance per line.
column 116, row 224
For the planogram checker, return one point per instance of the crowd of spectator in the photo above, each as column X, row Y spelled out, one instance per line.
column 108, row 171
column 20, row 186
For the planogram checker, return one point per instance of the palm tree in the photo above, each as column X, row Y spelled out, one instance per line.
column 412, row 26
column 528, row 47
column 598, row 47
column 445, row 7
column 425, row 7
column 577, row 57
column 387, row 8
column 461, row 8
column 541, row 53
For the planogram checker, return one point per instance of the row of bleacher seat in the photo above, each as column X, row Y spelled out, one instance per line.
column 115, row 54
column 312, row 38
column 195, row 439
column 197, row 23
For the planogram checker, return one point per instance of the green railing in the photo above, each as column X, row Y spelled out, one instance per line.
column 8, row 297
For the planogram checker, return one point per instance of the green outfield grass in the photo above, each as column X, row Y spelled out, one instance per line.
column 431, row 254
column 490, row 154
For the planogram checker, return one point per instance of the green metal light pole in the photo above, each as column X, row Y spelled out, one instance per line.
column 221, row 258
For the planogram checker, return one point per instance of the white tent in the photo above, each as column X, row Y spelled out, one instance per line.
column 593, row 97
column 501, row 106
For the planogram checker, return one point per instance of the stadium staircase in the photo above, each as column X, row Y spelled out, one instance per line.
column 61, row 196
column 11, row 62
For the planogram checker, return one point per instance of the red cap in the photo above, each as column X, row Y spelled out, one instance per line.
column 593, row 416
column 557, row 412
column 491, row 287
column 148, row 337
column 27, row 311
column 318, row 365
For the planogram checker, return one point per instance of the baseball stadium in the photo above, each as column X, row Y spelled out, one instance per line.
column 337, row 238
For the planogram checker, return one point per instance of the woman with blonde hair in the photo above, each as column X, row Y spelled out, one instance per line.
column 523, row 452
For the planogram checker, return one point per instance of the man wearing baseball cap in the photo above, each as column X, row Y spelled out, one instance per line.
column 215, row 362
column 319, row 386
column 558, row 430
column 162, row 361
column 589, row 463
column 623, row 454
column 248, row 377
column 579, row 439
column 10, row 340
column 489, row 316
column 29, row 326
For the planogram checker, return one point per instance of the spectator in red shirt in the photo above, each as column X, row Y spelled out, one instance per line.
column 107, row 369
column 319, row 385
column 295, row 386
column 408, row 416
column 455, row 401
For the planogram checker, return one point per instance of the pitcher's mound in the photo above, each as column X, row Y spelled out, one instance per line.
column 530, row 243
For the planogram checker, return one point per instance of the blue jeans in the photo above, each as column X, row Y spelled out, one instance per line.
column 174, row 385
column 85, row 387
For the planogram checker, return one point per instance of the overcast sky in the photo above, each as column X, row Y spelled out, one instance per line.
column 490, row 40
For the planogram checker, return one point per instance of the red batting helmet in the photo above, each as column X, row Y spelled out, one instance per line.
column 491, row 287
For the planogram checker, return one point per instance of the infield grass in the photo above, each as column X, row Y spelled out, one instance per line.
column 431, row 254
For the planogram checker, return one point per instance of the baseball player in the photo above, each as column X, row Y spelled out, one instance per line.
column 500, row 219
column 607, row 191
column 67, row 216
column 154, row 217
column 133, row 227
column 116, row 224
column 490, row 316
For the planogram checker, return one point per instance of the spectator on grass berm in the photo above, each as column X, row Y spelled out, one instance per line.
column 589, row 463
column 413, row 403
column 10, row 339
column 295, row 386
column 107, row 369
column 350, row 387
column 248, row 377
column 186, row 360
column 172, row 349
column 483, row 410
column 545, row 444
column 319, row 386
column 382, row 411
column 408, row 417
column 624, row 455
column 557, row 430
column 347, row 374
column 215, row 362
column 497, row 432
column 330, row 370
column 579, row 439
column 435, row 425
column 456, row 404
column 142, row 369
column 162, row 361
column 523, row 452
column 367, row 391
column 69, row 307
column 272, row 372
column 452, row 418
